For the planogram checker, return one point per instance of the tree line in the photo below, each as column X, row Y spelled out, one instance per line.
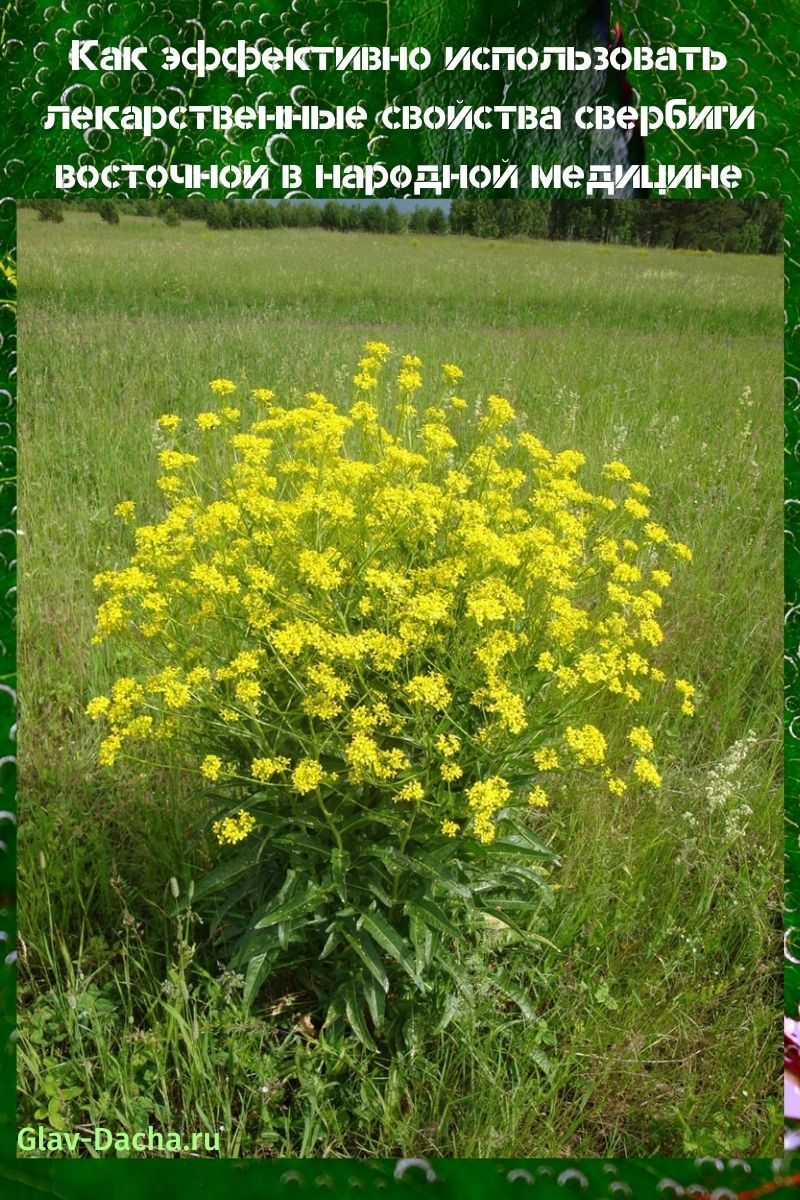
column 726, row 226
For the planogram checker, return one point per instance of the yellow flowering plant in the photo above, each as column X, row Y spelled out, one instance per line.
column 378, row 632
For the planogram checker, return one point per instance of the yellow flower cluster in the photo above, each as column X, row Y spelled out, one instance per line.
column 399, row 600
column 234, row 829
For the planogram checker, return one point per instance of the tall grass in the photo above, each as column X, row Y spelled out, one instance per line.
column 652, row 1029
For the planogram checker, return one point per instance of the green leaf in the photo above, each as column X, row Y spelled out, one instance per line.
column 503, row 916
column 340, row 861
column 428, row 912
column 376, row 1000
column 354, row 1007
column 367, row 951
column 295, row 906
column 423, row 938
column 392, row 943
column 449, row 1010
column 516, row 843
column 258, row 969
column 252, row 943
column 514, row 992
column 430, row 867
column 332, row 940
column 54, row 1115
column 221, row 874
column 297, row 842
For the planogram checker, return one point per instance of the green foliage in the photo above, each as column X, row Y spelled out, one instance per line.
column 50, row 210
column 107, row 211
column 725, row 226
column 632, row 352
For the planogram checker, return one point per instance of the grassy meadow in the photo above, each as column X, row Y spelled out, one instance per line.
column 652, row 1028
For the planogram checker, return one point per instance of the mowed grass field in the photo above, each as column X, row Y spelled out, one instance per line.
column 653, row 1029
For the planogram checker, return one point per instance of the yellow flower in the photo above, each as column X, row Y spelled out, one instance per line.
column 485, row 798
column 320, row 569
column 449, row 828
column 377, row 350
column 208, row 420
column 538, row 798
column 234, row 829
column 640, row 738
column 588, row 743
column 222, row 387
column 643, row 769
column 98, row 707
column 263, row 769
column 169, row 421
column 546, row 759
column 125, row 509
column 211, row 767
column 430, row 690
column 262, row 395
column 636, row 508
column 687, row 690
column 616, row 471
column 307, row 775
column 409, row 380
column 448, row 744
column 451, row 372
column 410, row 792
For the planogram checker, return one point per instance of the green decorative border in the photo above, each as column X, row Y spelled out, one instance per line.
column 763, row 67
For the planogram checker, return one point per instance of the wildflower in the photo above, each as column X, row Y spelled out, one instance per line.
column 485, row 798
column 640, row 738
column 98, row 707
column 410, row 606
column 263, row 769
column 125, row 509
column 538, row 798
column 307, row 775
column 546, row 759
column 211, row 767
column 643, row 769
column 687, row 690
column 319, row 568
column 222, row 387
column 448, row 744
column 588, row 743
column 234, row 829
column 208, row 420
column 636, row 508
column 430, row 690
column 616, row 471
column 409, row 380
column 410, row 792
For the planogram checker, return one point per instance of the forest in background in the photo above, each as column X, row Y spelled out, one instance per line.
column 723, row 226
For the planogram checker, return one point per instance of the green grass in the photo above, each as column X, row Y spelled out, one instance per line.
column 653, row 1028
